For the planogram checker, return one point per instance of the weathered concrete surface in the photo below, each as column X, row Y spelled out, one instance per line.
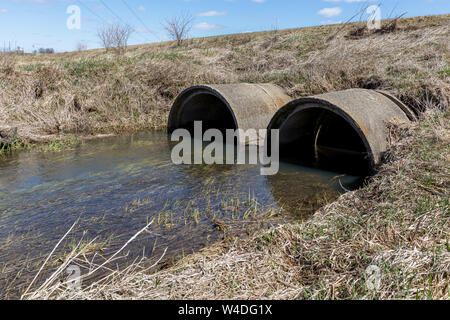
column 7, row 135
column 367, row 112
column 249, row 106
column 409, row 113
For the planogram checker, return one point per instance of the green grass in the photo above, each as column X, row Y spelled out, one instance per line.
column 445, row 72
column 88, row 67
column 58, row 145
column 49, row 146
column 170, row 56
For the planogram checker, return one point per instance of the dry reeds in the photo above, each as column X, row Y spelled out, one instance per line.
column 94, row 92
column 398, row 223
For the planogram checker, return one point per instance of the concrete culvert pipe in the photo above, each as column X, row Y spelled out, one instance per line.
column 227, row 106
column 343, row 131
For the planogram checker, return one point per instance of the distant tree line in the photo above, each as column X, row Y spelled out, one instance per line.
column 114, row 37
column 44, row 50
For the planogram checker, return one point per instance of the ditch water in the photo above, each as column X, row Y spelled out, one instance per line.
column 114, row 186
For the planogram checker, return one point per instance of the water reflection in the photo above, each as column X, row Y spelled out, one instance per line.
column 117, row 184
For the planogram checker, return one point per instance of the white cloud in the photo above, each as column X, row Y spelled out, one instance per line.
column 212, row 13
column 207, row 26
column 330, row 22
column 330, row 12
column 3, row 10
column 259, row 1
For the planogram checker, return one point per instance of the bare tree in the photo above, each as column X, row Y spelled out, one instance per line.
column 122, row 34
column 115, row 37
column 106, row 38
column 178, row 27
column 81, row 46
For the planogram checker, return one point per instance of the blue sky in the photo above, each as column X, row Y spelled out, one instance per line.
column 42, row 23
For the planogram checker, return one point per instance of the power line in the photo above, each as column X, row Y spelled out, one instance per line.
column 92, row 11
column 110, row 10
column 140, row 20
column 118, row 17
column 103, row 20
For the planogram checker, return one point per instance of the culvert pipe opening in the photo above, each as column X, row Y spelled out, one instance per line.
column 205, row 106
column 319, row 137
column 228, row 106
column 341, row 131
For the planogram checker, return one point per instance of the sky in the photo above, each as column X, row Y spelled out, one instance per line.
column 34, row 24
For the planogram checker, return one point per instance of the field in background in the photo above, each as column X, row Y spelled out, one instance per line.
column 49, row 96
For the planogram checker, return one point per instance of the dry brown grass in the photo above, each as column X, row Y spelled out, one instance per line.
column 398, row 222
column 94, row 92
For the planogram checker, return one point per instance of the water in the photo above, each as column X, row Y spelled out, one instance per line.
column 116, row 185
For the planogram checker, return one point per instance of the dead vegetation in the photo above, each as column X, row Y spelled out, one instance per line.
column 361, row 29
column 93, row 92
column 115, row 37
column 399, row 223
column 178, row 27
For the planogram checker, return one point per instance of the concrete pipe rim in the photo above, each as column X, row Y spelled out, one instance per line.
column 412, row 116
column 302, row 104
column 184, row 98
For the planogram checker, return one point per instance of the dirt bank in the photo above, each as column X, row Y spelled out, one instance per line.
column 398, row 224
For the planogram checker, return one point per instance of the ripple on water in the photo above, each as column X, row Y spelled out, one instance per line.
column 117, row 184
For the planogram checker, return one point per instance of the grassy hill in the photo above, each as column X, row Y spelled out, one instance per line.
column 91, row 92
column 399, row 221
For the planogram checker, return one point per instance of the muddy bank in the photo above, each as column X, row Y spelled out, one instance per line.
column 398, row 223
